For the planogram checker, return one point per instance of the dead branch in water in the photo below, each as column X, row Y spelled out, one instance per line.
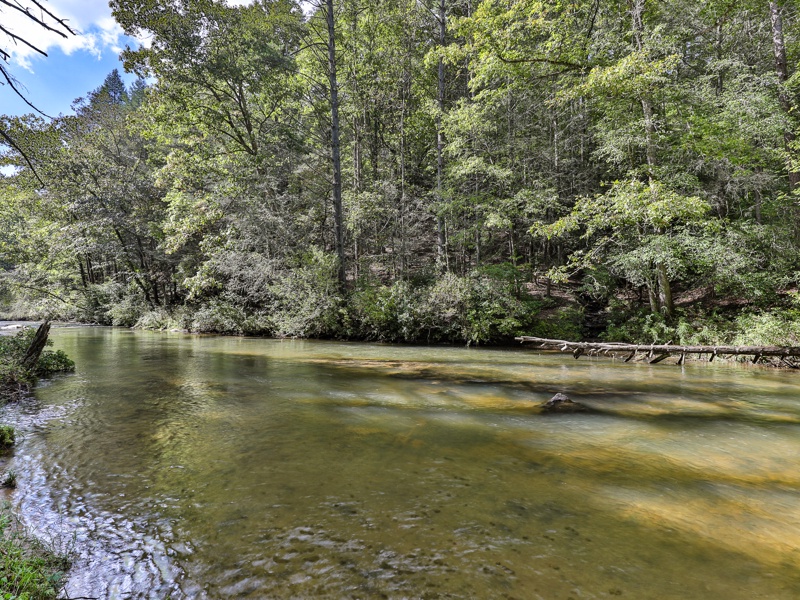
column 655, row 353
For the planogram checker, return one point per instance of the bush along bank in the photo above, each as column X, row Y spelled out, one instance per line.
column 491, row 305
column 20, row 369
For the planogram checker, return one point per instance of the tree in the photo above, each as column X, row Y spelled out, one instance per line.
column 642, row 231
column 226, row 106
column 336, row 161
column 103, row 211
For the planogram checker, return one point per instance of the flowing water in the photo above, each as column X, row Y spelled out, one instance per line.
column 183, row 466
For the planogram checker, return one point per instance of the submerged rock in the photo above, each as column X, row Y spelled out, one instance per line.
column 561, row 403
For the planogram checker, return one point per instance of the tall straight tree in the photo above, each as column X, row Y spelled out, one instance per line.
column 440, row 83
column 336, row 159
column 782, row 72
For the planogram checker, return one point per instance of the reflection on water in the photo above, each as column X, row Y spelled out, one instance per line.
column 200, row 467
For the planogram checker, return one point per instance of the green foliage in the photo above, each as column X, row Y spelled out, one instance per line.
column 307, row 299
column 218, row 316
column 475, row 309
column 640, row 327
column 562, row 323
column 10, row 480
column 127, row 310
column 13, row 376
column 54, row 362
column 384, row 313
column 778, row 326
column 7, row 437
column 29, row 569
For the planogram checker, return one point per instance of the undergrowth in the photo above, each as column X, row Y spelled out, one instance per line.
column 30, row 569
column 751, row 326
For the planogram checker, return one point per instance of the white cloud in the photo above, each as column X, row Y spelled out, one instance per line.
column 91, row 19
column 97, row 32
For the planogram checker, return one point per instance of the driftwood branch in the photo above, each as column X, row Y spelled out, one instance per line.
column 655, row 353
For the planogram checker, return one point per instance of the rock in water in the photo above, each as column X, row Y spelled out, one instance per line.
column 561, row 403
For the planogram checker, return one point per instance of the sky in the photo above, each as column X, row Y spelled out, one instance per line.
column 74, row 66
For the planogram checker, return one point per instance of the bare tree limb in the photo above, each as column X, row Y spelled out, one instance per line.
column 27, row 12
column 13, row 144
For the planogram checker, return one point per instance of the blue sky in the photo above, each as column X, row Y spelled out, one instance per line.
column 74, row 66
column 54, row 82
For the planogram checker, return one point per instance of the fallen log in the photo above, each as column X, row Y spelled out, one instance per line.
column 658, row 352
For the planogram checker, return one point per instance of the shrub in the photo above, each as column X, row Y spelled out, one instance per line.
column 306, row 300
column 383, row 313
column 640, row 327
column 157, row 319
column 10, row 480
column 478, row 308
column 562, row 323
column 127, row 311
column 219, row 316
column 14, row 378
column 7, row 437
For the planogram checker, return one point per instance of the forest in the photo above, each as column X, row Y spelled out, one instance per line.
column 460, row 171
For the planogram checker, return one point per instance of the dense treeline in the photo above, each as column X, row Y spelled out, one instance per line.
column 423, row 170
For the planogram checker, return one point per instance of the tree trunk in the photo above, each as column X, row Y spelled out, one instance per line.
column 782, row 71
column 338, row 220
column 652, row 296
column 665, row 292
column 37, row 346
column 637, row 8
column 441, row 239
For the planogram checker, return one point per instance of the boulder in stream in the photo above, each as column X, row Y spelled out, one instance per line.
column 561, row 403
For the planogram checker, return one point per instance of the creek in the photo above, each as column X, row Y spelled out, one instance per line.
column 182, row 466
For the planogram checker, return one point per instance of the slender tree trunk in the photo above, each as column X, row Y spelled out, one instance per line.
column 442, row 240
column 660, row 291
column 665, row 291
column 83, row 273
column 782, row 71
column 338, row 220
column 403, row 233
column 637, row 9
column 650, row 134
column 652, row 296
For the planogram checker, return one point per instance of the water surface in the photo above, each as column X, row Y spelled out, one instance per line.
column 202, row 467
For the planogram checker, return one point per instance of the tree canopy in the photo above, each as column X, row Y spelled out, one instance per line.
column 420, row 171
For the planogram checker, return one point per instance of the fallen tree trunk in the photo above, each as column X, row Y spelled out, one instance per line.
column 657, row 352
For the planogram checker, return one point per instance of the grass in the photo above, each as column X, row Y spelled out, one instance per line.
column 29, row 568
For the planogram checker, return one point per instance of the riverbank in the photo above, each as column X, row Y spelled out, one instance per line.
column 29, row 568
column 721, row 324
column 463, row 310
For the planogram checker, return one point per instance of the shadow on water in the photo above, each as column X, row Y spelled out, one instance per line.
column 670, row 406
column 197, row 467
